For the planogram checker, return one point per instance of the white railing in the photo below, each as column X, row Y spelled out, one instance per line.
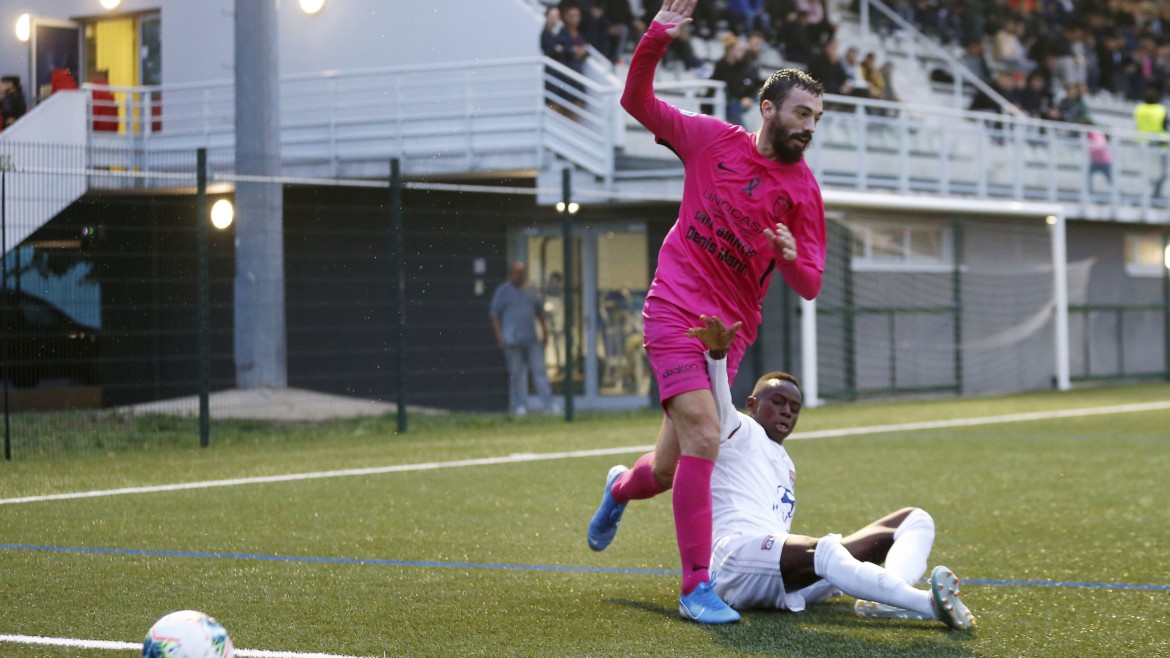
column 896, row 147
column 468, row 116
column 482, row 116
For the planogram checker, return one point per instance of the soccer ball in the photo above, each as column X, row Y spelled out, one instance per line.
column 187, row 634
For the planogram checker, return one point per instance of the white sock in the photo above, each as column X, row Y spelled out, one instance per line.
column 865, row 580
column 912, row 542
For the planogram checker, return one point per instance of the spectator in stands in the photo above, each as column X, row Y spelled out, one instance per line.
column 1100, row 156
column 1112, row 59
column 1142, row 71
column 597, row 29
column 1150, row 117
column 874, row 78
column 796, row 39
column 856, row 79
column 1004, row 84
column 1008, row 50
column 827, row 68
column 1072, row 107
column 821, row 29
column 574, row 45
column 625, row 20
column 734, row 70
column 975, row 58
column 757, row 43
column 1036, row 98
column 12, row 103
column 555, row 83
column 780, row 11
column 745, row 16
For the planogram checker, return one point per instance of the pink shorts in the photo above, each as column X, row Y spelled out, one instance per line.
column 677, row 360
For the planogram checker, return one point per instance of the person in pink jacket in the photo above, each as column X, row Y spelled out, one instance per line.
column 751, row 208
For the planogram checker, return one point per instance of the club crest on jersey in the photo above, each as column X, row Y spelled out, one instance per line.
column 781, row 206
column 769, row 541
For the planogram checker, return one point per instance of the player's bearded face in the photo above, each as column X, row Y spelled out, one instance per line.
column 792, row 124
column 788, row 141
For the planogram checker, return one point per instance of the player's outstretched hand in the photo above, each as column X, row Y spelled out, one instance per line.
column 676, row 13
column 715, row 335
column 782, row 241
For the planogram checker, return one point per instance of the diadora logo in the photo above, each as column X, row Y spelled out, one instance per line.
column 686, row 367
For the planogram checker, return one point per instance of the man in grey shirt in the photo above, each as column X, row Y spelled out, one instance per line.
column 514, row 311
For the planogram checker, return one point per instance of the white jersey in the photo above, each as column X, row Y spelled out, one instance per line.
column 753, row 486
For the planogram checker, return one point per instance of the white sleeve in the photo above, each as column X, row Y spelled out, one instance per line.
column 721, row 389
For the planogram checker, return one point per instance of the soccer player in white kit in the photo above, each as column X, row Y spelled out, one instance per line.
column 757, row 563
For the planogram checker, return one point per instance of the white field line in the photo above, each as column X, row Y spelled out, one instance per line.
column 530, row 457
column 131, row 646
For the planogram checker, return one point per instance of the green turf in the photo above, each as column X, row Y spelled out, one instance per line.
column 1054, row 501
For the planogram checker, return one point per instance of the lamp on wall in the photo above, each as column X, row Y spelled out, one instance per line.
column 222, row 214
column 110, row 4
column 312, row 6
column 23, row 27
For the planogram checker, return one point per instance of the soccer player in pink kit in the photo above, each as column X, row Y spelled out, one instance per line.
column 750, row 208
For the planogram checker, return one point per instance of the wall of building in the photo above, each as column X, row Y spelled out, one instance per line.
column 198, row 39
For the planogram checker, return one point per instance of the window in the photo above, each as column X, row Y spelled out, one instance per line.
column 902, row 247
column 1146, row 255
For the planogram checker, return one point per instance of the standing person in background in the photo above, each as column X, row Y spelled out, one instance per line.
column 515, row 310
column 750, row 208
column 1150, row 117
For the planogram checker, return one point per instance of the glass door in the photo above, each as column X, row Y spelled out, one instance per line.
column 608, row 283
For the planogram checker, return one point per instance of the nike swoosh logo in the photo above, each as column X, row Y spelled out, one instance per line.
column 726, row 168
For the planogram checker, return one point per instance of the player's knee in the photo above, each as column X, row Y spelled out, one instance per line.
column 664, row 473
column 918, row 520
column 831, row 557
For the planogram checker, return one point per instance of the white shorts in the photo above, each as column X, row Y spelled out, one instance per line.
column 746, row 571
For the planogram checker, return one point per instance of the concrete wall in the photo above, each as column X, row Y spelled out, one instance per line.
column 197, row 39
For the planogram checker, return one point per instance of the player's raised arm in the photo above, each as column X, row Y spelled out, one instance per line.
column 717, row 338
column 638, row 97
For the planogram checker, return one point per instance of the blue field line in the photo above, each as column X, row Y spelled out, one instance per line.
column 137, row 552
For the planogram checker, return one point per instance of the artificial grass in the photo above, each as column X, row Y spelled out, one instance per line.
column 490, row 559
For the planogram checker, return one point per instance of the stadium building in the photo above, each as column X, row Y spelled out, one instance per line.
column 970, row 252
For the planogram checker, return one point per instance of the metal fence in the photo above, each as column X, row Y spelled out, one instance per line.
column 122, row 308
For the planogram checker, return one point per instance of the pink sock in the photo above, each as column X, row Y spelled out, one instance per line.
column 692, row 518
column 638, row 483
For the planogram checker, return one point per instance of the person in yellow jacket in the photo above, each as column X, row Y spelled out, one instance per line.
column 1150, row 116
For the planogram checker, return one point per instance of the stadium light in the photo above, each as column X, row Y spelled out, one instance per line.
column 573, row 207
column 110, row 4
column 222, row 214
column 1051, row 220
column 312, row 7
column 23, row 28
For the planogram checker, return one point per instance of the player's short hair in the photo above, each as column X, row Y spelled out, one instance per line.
column 762, row 382
column 780, row 83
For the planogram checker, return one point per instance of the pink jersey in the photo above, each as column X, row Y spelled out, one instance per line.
column 715, row 259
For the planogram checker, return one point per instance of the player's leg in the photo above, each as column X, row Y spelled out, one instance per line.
column 902, row 540
column 804, row 560
column 517, row 380
column 696, row 423
column 644, row 480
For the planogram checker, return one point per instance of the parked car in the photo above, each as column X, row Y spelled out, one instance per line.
column 39, row 341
